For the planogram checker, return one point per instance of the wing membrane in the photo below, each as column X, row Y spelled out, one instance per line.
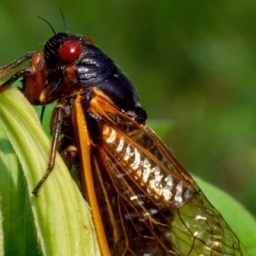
column 153, row 205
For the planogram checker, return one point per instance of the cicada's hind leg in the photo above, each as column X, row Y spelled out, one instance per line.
column 57, row 124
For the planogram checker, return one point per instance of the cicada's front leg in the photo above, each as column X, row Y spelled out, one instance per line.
column 34, row 76
column 34, row 82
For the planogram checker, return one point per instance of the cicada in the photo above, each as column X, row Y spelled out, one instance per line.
column 142, row 200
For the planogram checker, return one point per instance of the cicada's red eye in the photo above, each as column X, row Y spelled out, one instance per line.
column 70, row 50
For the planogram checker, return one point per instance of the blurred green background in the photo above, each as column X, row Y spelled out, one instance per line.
column 192, row 62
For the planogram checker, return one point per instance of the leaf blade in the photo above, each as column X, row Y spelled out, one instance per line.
column 61, row 216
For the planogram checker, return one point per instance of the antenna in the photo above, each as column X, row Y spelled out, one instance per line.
column 64, row 20
column 47, row 23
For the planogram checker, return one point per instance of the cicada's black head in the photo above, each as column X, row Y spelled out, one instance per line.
column 92, row 68
column 63, row 48
column 51, row 49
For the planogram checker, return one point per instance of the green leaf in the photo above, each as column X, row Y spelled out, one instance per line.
column 58, row 222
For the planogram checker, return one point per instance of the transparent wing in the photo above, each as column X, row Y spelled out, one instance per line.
column 152, row 205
